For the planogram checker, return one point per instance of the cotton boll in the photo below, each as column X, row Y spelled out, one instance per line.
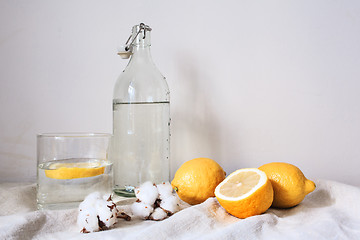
column 125, row 209
column 124, row 212
column 158, row 214
column 92, row 197
column 124, row 216
column 87, row 220
column 113, row 216
column 96, row 214
column 107, row 197
column 89, row 200
column 106, row 215
column 147, row 193
column 170, row 204
column 165, row 190
column 141, row 209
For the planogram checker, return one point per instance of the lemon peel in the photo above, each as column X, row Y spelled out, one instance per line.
column 289, row 184
column 196, row 180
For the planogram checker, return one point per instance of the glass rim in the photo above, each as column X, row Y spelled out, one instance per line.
column 72, row 134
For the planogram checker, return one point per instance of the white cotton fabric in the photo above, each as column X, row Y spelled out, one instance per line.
column 332, row 211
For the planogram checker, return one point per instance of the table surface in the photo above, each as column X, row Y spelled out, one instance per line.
column 332, row 211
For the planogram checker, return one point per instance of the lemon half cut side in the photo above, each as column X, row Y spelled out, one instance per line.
column 245, row 192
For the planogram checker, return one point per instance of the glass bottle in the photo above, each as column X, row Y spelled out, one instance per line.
column 141, row 119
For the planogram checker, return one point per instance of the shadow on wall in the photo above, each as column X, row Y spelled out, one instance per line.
column 194, row 125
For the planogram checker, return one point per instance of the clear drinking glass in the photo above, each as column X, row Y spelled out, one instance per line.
column 70, row 166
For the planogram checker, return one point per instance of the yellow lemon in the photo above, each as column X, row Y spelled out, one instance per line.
column 74, row 170
column 196, row 180
column 289, row 184
column 245, row 192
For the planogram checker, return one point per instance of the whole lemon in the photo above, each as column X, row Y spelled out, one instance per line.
column 289, row 184
column 196, row 180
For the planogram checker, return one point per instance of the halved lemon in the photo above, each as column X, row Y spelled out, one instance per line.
column 74, row 170
column 245, row 192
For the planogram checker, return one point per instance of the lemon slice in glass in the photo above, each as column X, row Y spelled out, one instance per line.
column 74, row 170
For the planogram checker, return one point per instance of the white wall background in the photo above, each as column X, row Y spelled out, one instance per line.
column 251, row 81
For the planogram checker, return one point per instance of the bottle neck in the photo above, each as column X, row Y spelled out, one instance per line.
column 141, row 53
column 140, row 47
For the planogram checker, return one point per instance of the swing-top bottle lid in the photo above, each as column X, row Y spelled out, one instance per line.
column 140, row 36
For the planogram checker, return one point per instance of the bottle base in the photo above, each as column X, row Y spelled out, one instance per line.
column 127, row 192
column 58, row 206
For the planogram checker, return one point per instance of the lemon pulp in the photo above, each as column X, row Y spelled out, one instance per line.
column 240, row 184
column 244, row 193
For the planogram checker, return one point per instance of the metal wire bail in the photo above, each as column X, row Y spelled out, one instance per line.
column 127, row 48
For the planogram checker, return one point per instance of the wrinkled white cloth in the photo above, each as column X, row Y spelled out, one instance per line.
column 332, row 211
